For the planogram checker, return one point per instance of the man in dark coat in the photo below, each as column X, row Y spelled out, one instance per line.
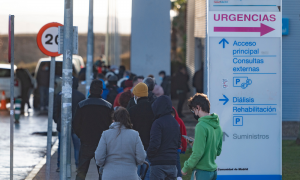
column 92, row 117
column 141, row 116
column 165, row 139
column 182, row 88
column 76, row 98
column 166, row 83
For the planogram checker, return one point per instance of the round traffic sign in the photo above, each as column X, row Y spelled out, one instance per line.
column 47, row 39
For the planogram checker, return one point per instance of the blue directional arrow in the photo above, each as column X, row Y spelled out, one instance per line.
column 223, row 41
column 225, row 100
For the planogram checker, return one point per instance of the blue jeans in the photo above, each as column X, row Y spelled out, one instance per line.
column 142, row 168
column 204, row 175
column 178, row 165
column 163, row 172
column 76, row 144
column 44, row 92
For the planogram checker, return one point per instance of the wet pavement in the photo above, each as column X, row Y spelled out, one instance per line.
column 29, row 149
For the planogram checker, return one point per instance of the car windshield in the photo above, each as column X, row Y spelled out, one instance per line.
column 4, row 72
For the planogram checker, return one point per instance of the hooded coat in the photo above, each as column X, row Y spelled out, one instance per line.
column 165, row 137
column 207, row 144
column 182, row 131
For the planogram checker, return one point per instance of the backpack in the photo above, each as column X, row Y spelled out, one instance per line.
column 112, row 94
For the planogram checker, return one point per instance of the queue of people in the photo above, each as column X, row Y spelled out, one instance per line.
column 127, row 128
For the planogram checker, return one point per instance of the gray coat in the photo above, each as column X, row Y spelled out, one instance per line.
column 120, row 154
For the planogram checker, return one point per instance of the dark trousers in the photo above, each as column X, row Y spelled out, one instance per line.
column 178, row 165
column 76, row 145
column 181, row 98
column 44, row 92
column 163, row 172
column 86, row 153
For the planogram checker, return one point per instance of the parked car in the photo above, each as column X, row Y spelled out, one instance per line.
column 5, row 81
column 77, row 65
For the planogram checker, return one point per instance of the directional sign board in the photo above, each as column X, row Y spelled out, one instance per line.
column 47, row 39
column 244, row 59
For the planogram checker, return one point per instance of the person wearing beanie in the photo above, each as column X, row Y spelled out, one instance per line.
column 150, row 82
column 142, row 117
column 92, row 117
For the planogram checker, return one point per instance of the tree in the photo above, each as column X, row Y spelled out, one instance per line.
column 178, row 36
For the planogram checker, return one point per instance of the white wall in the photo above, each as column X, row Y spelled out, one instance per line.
column 150, row 37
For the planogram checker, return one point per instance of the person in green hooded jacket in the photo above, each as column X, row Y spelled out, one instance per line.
column 208, row 140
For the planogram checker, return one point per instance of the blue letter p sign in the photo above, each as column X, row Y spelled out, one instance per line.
column 237, row 120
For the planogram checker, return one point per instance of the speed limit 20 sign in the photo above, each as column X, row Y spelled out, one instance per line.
column 47, row 39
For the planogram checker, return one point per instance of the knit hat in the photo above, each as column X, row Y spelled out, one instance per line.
column 140, row 90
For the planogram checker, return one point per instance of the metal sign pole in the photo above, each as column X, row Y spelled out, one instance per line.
column 50, row 117
column 66, row 100
column 107, row 35
column 12, row 78
column 90, row 47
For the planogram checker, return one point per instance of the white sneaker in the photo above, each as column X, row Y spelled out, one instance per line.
column 179, row 178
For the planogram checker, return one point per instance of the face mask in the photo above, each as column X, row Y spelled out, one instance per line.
column 161, row 78
column 196, row 117
column 135, row 100
column 116, row 71
column 46, row 68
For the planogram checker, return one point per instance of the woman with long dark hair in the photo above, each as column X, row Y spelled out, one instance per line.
column 120, row 149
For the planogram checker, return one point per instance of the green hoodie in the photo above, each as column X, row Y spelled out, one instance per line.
column 207, row 145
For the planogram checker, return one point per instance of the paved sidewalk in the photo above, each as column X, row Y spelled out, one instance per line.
column 41, row 175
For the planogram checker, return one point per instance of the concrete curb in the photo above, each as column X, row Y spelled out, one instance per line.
column 39, row 166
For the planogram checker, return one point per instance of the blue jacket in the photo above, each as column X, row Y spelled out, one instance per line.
column 165, row 136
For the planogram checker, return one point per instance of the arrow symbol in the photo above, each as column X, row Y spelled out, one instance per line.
column 224, row 135
column 263, row 29
column 223, row 41
column 225, row 100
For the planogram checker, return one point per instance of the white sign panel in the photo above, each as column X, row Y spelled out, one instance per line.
column 244, row 87
column 245, row 5
column 244, row 24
